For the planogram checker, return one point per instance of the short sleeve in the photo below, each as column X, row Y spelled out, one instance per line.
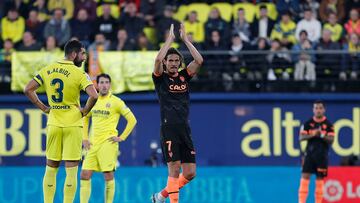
column 122, row 108
column 186, row 74
column 39, row 78
column 306, row 128
column 330, row 129
column 85, row 81
column 157, row 78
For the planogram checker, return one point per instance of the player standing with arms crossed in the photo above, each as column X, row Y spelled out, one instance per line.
column 319, row 132
column 103, row 145
column 172, row 87
column 63, row 82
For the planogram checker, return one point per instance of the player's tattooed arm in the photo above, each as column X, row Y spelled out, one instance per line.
column 158, row 68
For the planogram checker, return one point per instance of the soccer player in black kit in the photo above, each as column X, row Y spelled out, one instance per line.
column 172, row 88
column 319, row 132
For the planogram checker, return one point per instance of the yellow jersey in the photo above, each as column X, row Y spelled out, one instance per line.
column 105, row 117
column 63, row 82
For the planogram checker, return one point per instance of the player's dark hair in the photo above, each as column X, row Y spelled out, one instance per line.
column 319, row 102
column 263, row 7
column 73, row 46
column 173, row 51
column 103, row 75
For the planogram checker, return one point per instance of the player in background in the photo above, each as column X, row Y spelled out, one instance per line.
column 172, row 87
column 319, row 132
column 63, row 82
column 103, row 145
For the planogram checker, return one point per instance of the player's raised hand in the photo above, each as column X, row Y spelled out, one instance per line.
column 171, row 32
column 86, row 144
column 183, row 35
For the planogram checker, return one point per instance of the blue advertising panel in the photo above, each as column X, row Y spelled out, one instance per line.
column 135, row 185
column 227, row 130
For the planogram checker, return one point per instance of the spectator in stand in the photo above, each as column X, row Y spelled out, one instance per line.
column 351, row 61
column 279, row 61
column 350, row 4
column 284, row 31
column 150, row 10
column 335, row 28
column 215, row 22
column 58, row 27
column 12, row 26
column 164, row 22
column 7, row 51
column 263, row 26
column 194, row 26
column 310, row 25
column 29, row 43
column 35, row 26
column 304, row 62
column 122, row 43
column 67, row 5
column 237, row 60
column 329, row 64
column 216, row 43
column 289, row 6
column 106, row 24
column 332, row 6
column 241, row 27
column 258, row 62
column 88, row 5
column 21, row 6
column 129, row 20
column 82, row 27
column 353, row 25
column 50, row 45
column 215, row 62
column 312, row 5
column 100, row 43
column 143, row 43
column 41, row 8
column 304, row 45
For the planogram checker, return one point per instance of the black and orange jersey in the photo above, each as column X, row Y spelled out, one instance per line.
column 318, row 144
column 174, row 98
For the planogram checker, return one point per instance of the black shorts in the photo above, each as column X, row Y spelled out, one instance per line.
column 316, row 164
column 177, row 144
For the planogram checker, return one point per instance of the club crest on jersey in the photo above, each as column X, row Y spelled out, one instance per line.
column 182, row 78
column 108, row 105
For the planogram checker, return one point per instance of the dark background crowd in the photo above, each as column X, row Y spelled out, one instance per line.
column 256, row 41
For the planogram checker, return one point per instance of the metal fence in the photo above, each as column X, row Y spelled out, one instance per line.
column 264, row 71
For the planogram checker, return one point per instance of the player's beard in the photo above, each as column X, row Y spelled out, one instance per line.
column 77, row 62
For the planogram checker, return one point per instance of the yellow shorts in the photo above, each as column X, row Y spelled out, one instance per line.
column 63, row 143
column 101, row 157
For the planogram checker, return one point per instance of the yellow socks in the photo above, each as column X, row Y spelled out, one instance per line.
column 85, row 191
column 109, row 191
column 49, row 184
column 70, row 184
